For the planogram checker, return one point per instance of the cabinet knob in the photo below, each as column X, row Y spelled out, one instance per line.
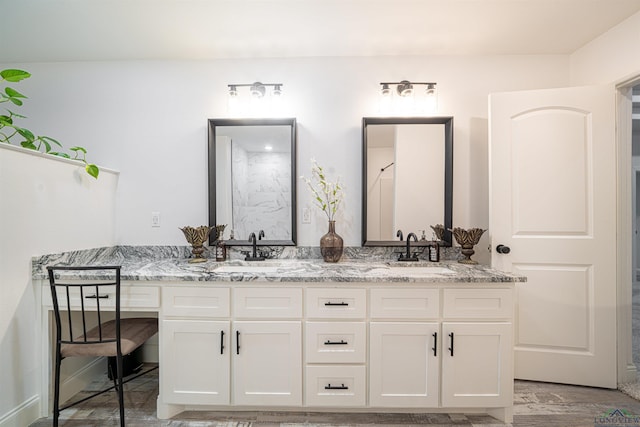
column 502, row 249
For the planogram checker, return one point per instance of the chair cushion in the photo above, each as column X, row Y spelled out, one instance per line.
column 133, row 333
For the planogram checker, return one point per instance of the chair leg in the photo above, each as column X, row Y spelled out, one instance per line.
column 120, row 389
column 56, row 387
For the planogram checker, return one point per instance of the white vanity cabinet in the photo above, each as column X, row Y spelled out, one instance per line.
column 404, row 347
column 365, row 346
column 195, row 345
column 335, row 347
column 449, row 348
column 267, row 350
column 404, row 366
column 477, row 341
column 217, row 339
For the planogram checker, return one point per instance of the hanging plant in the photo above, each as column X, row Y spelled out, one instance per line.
column 11, row 132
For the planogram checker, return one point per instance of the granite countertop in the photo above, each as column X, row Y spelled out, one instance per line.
column 173, row 265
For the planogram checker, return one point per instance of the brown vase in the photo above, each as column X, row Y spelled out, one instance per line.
column 331, row 244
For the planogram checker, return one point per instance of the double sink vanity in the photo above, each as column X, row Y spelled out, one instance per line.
column 368, row 333
column 301, row 334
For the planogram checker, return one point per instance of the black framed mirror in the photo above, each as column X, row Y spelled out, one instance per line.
column 252, row 179
column 407, row 178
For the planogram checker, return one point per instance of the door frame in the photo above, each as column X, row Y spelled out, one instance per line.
column 627, row 371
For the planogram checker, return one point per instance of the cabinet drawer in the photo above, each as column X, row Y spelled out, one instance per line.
column 134, row 296
column 478, row 303
column 335, row 386
column 337, row 342
column 405, row 303
column 195, row 302
column 330, row 303
column 267, row 303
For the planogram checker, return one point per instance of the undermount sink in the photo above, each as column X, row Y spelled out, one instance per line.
column 419, row 271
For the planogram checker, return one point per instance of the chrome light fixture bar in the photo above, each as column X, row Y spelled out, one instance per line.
column 256, row 89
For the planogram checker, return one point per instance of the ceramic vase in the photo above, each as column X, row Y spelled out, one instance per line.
column 331, row 244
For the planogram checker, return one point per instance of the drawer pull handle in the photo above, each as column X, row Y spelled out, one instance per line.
column 341, row 342
column 221, row 342
column 336, row 387
column 94, row 296
column 435, row 343
column 336, row 304
column 451, row 348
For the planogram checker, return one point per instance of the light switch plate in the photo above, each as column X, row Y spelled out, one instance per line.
column 306, row 216
column 155, row 219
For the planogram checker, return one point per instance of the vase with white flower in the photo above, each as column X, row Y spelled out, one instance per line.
column 328, row 197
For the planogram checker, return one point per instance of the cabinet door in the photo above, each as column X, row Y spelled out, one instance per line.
column 477, row 367
column 404, row 364
column 267, row 363
column 194, row 362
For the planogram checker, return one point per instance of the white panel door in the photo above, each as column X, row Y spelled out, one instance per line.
column 404, row 364
column 195, row 362
column 476, row 364
column 267, row 363
column 553, row 203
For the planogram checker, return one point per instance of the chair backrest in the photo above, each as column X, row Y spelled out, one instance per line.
column 75, row 292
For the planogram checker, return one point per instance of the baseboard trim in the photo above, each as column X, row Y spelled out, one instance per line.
column 23, row 415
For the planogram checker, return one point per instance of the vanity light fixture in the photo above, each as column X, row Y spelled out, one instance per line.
column 405, row 88
column 257, row 99
column 407, row 97
column 256, row 89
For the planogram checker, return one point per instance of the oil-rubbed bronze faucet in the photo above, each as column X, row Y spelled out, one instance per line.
column 399, row 234
column 252, row 239
column 408, row 256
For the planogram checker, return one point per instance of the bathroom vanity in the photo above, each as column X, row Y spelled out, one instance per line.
column 307, row 335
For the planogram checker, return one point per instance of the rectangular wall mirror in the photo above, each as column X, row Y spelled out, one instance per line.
column 407, row 177
column 252, row 179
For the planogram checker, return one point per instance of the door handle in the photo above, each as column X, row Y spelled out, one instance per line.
column 339, row 387
column 221, row 342
column 237, row 342
column 502, row 249
column 341, row 342
column 451, row 348
column 435, row 343
column 97, row 297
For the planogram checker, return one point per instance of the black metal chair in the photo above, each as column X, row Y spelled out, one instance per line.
column 100, row 296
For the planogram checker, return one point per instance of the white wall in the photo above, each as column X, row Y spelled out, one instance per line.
column 47, row 205
column 148, row 120
column 612, row 57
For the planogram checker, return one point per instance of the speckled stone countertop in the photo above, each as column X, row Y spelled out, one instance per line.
column 171, row 263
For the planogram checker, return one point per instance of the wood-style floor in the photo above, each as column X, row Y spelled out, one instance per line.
column 536, row 404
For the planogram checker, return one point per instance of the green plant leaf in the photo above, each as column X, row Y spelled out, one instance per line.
column 16, row 101
column 16, row 114
column 12, row 93
column 12, row 75
column 76, row 149
column 49, row 139
column 92, row 170
column 29, row 145
column 47, row 146
column 6, row 120
column 55, row 153
column 27, row 134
